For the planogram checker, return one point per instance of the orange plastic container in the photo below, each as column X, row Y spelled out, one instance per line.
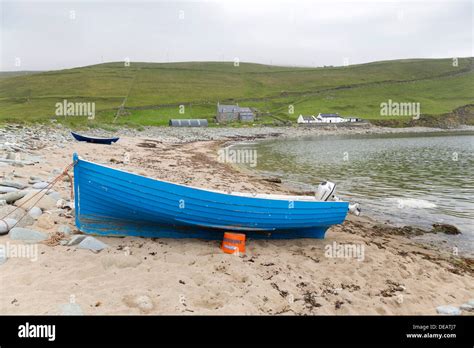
column 233, row 242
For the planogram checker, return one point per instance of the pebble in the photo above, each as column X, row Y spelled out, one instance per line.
column 26, row 234
column 76, row 239
column 467, row 307
column 35, row 212
column 6, row 225
column 70, row 309
column 45, row 203
column 54, row 195
column 93, row 244
column 40, row 185
column 13, row 212
column 448, row 310
column 6, row 189
column 12, row 197
column 45, row 221
column 14, row 184
column 65, row 229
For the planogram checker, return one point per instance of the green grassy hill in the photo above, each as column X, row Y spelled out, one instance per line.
column 152, row 92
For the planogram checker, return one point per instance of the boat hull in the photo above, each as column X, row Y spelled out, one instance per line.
column 113, row 202
column 105, row 141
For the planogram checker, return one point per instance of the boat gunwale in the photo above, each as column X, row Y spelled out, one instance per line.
column 293, row 198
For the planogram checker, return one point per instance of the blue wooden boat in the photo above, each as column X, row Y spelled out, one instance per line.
column 109, row 201
column 94, row 140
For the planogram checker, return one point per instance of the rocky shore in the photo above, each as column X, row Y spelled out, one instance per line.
column 48, row 267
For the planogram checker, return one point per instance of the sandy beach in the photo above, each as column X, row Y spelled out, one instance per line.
column 396, row 274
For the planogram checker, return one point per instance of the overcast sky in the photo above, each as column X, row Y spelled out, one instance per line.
column 39, row 35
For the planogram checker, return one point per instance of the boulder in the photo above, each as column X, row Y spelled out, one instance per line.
column 45, row 203
column 90, row 243
column 26, row 234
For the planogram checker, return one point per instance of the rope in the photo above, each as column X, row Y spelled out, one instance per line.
column 50, row 185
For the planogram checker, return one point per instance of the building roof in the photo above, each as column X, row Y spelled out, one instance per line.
column 329, row 115
column 233, row 108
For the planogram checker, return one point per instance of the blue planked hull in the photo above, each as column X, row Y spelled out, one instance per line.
column 106, row 141
column 113, row 202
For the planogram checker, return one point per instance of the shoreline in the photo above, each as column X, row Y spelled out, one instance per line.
column 164, row 276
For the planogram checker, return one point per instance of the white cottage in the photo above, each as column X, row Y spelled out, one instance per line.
column 306, row 119
column 330, row 118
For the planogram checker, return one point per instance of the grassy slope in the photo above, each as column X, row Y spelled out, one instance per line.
column 158, row 89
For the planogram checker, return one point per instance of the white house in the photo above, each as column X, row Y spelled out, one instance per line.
column 330, row 118
column 306, row 119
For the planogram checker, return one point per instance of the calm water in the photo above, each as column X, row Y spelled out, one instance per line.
column 415, row 179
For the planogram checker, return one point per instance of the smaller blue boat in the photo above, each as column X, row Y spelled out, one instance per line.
column 95, row 140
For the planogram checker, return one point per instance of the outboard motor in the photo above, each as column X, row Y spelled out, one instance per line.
column 325, row 190
column 354, row 209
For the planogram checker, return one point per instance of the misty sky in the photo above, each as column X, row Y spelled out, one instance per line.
column 39, row 35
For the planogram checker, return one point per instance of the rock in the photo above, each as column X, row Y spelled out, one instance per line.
column 40, row 185
column 12, row 197
column 467, row 307
column 445, row 228
column 54, row 195
column 3, row 202
column 70, row 309
column 6, row 225
column 26, row 234
column 93, row 244
column 61, row 203
column 120, row 261
column 14, row 184
column 45, row 203
column 6, row 189
column 18, row 214
column 471, row 302
column 65, row 229
column 45, row 221
column 35, row 212
column 76, row 239
column 448, row 310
